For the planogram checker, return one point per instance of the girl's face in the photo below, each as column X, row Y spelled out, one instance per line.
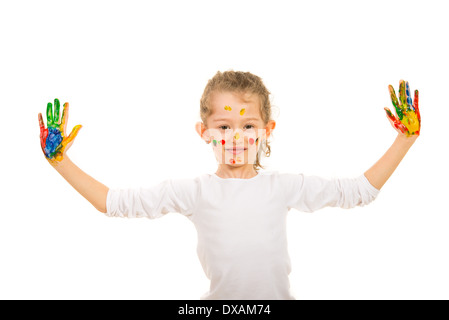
column 235, row 128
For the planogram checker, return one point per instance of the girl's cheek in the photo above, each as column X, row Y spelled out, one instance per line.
column 217, row 142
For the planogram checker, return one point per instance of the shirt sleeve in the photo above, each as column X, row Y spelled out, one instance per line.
column 310, row 193
column 171, row 195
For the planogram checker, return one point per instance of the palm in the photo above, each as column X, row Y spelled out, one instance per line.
column 408, row 119
column 54, row 141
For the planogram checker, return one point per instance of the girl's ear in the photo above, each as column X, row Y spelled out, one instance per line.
column 270, row 127
column 200, row 129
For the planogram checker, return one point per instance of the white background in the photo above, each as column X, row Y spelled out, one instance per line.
column 133, row 73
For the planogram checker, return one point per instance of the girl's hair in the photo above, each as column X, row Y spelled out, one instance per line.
column 242, row 83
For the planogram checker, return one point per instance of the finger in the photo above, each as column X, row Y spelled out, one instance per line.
column 73, row 134
column 65, row 117
column 395, row 121
column 390, row 114
column 395, row 102
column 41, row 123
column 43, row 131
column 408, row 97
column 415, row 105
column 67, row 142
column 49, row 114
column 402, row 95
column 57, row 108
column 398, row 126
column 394, row 126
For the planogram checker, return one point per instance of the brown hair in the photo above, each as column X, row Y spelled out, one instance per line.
column 243, row 83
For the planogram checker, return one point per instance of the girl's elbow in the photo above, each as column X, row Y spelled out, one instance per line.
column 102, row 209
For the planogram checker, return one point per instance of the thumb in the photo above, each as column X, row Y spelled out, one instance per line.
column 390, row 114
column 69, row 140
column 394, row 121
column 74, row 133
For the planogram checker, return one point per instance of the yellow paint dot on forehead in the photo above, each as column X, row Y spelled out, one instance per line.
column 227, row 108
column 242, row 111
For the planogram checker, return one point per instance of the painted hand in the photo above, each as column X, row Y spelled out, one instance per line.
column 54, row 141
column 408, row 119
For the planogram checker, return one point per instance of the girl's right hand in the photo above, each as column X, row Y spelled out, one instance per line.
column 408, row 119
column 54, row 141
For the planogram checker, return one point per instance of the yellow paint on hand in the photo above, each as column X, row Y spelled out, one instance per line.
column 411, row 122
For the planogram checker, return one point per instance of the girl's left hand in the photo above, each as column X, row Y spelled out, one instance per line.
column 408, row 120
column 54, row 140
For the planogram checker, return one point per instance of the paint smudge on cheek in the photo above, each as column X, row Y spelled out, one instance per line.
column 251, row 141
column 214, row 142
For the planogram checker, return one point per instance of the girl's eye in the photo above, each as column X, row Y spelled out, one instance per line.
column 248, row 125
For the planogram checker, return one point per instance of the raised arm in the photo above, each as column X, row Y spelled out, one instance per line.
column 408, row 125
column 55, row 144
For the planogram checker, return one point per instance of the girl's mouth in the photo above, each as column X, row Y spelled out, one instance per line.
column 236, row 150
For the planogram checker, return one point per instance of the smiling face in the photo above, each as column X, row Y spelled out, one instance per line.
column 235, row 128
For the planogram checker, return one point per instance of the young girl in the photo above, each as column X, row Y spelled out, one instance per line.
column 239, row 212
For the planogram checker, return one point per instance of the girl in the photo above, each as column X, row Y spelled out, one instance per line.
column 239, row 212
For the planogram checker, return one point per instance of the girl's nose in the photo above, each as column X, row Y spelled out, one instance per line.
column 237, row 135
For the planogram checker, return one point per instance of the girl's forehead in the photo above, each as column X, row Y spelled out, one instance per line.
column 233, row 104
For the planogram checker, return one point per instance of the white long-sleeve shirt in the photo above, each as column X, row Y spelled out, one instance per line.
column 241, row 223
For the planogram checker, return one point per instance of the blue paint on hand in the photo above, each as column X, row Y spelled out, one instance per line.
column 54, row 139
